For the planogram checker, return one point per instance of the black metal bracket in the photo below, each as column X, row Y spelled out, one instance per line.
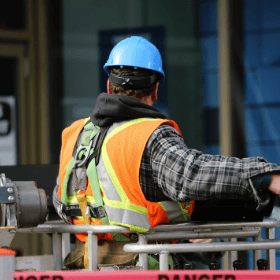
column 8, row 194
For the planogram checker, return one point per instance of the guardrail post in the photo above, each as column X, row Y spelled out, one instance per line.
column 232, row 255
column 92, row 251
column 164, row 260
column 270, row 254
column 143, row 258
column 66, row 245
column 57, row 250
column 257, row 253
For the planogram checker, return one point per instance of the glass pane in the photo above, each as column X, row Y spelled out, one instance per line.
column 8, row 77
column 13, row 15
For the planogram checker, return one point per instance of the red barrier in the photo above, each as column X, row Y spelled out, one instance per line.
column 150, row 275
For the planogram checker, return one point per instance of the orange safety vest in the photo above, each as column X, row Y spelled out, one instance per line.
column 121, row 155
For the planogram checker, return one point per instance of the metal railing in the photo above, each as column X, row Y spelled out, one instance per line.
column 231, row 230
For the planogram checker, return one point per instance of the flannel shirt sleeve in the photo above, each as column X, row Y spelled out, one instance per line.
column 186, row 174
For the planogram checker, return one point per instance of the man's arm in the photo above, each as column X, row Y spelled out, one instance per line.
column 184, row 174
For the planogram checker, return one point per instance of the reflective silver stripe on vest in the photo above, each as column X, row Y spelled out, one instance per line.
column 107, row 184
column 173, row 211
column 128, row 217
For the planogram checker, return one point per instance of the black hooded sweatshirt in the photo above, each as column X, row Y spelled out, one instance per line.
column 110, row 108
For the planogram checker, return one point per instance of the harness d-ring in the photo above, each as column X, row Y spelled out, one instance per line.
column 78, row 162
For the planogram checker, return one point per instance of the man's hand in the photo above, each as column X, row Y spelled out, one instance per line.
column 275, row 184
column 200, row 240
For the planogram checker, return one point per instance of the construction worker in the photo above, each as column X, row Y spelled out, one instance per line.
column 128, row 165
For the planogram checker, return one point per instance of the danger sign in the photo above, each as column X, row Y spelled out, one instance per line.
column 149, row 275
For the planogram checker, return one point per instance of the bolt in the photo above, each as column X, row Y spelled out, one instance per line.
column 10, row 190
column 12, row 230
column 11, row 198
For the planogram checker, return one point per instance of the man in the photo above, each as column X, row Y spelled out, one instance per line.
column 140, row 173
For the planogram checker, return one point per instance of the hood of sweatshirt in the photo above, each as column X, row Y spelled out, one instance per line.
column 110, row 108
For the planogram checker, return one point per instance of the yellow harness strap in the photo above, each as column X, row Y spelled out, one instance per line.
column 81, row 197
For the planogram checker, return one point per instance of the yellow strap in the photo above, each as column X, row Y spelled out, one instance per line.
column 81, row 197
column 86, row 254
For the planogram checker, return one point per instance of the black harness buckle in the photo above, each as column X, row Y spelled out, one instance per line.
column 74, row 210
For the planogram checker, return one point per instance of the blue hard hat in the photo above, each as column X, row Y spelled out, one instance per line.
column 135, row 51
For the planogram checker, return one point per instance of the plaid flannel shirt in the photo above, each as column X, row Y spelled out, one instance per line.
column 171, row 171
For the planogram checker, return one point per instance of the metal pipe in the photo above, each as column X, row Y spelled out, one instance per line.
column 163, row 260
column 205, row 247
column 57, row 250
column 232, row 255
column 76, row 229
column 267, row 223
column 49, row 228
column 92, row 251
column 66, row 246
column 257, row 254
column 270, row 254
column 199, row 235
column 143, row 257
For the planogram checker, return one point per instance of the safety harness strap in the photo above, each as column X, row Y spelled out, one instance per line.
column 85, row 156
column 66, row 180
column 81, row 197
column 97, row 150
column 93, row 179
